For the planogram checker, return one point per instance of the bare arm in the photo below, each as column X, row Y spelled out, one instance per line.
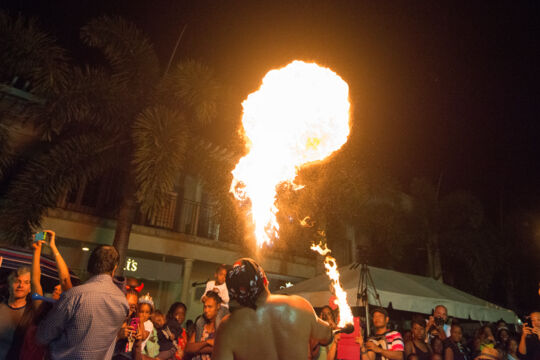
column 523, row 342
column 394, row 355
column 36, row 268
column 408, row 348
column 193, row 347
column 209, row 286
column 373, row 349
column 321, row 331
column 63, row 270
column 448, row 354
column 223, row 347
column 332, row 349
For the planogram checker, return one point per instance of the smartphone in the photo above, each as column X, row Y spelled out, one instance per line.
column 42, row 236
column 134, row 323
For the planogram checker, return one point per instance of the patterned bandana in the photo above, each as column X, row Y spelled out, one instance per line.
column 245, row 282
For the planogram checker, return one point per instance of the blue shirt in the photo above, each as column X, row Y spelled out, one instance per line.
column 84, row 323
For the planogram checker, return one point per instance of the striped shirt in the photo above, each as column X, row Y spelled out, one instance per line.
column 84, row 323
column 390, row 340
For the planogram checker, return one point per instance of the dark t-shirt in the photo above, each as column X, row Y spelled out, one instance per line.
column 13, row 325
column 9, row 319
column 533, row 348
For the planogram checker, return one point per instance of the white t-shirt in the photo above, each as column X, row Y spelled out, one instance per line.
column 223, row 292
column 148, row 326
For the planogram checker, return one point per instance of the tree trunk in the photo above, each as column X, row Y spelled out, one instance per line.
column 124, row 221
column 434, row 258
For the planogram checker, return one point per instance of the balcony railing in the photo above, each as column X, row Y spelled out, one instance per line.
column 180, row 215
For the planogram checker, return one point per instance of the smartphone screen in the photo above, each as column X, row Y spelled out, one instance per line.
column 134, row 323
column 41, row 236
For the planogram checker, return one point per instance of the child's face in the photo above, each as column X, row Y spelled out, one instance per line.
column 220, row 276
column 158, row 320
column 145, row 311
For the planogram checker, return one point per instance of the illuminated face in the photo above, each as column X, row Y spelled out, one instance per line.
column 379, row 320
column 57, row 292
column 419, row 332
column 326, row 314
column 132, row 302
column 158, row 320
column 535, row 320
column 180, row 314
column 210, row 309
column 504, row 336
column 456, row 334
column 220, row 276
column 145, row 311
column 20, row 288
column 440, row 312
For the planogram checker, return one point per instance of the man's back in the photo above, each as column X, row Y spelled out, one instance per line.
column 281, row 328
column 85, row 321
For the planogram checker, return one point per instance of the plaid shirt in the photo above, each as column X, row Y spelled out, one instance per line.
column 84, row 323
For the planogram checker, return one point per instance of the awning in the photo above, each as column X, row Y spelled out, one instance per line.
column 13, row 258
column 406, row 292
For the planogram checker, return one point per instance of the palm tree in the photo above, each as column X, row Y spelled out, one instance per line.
column 33, row 67
column 125, row 117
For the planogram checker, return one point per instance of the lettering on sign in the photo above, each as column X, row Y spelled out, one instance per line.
column 131, row 265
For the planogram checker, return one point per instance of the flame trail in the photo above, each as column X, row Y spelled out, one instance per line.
column 345, row 313
column 299, row 115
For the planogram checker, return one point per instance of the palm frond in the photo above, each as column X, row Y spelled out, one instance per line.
column 193, row 85
column 129, row 51
column 43, row 180
column 30, row 54
column 6, row 153
column 90, row 98
column 160, row 138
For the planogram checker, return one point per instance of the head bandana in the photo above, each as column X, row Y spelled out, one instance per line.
column 245, row 282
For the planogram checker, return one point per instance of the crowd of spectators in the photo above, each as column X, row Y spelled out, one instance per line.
column 108, row 318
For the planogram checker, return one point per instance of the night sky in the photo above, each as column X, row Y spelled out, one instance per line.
column 449, row 89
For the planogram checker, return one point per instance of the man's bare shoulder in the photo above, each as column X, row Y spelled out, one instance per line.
column 240, row 316
column 294, row 301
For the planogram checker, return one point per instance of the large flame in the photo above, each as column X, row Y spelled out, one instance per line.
column 299, row 115
column 345, row 313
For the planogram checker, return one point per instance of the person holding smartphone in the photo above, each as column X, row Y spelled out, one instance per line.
column 529, row 345
column 129, row 330
column 63, row 271
column 30, row 348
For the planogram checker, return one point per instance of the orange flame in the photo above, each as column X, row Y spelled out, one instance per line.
column 299, row 115
column 345, row 313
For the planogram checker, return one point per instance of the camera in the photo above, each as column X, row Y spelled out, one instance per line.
column 439, row 321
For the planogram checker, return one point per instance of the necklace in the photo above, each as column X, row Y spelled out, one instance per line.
column 16, row 308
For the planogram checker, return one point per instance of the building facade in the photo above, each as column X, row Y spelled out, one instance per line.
column 174, row 254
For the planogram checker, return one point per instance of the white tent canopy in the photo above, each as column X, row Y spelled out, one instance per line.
column 406, row 292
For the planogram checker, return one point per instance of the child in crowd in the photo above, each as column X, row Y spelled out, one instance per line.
column 145, row 309
column 218, row 286
column 172, row 338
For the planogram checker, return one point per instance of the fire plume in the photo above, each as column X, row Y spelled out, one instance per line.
column 330, row 264
column 299, row 115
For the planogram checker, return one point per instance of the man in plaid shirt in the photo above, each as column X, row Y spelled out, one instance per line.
column 83, row 324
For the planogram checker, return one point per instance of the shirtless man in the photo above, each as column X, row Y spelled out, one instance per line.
column 266, row 326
